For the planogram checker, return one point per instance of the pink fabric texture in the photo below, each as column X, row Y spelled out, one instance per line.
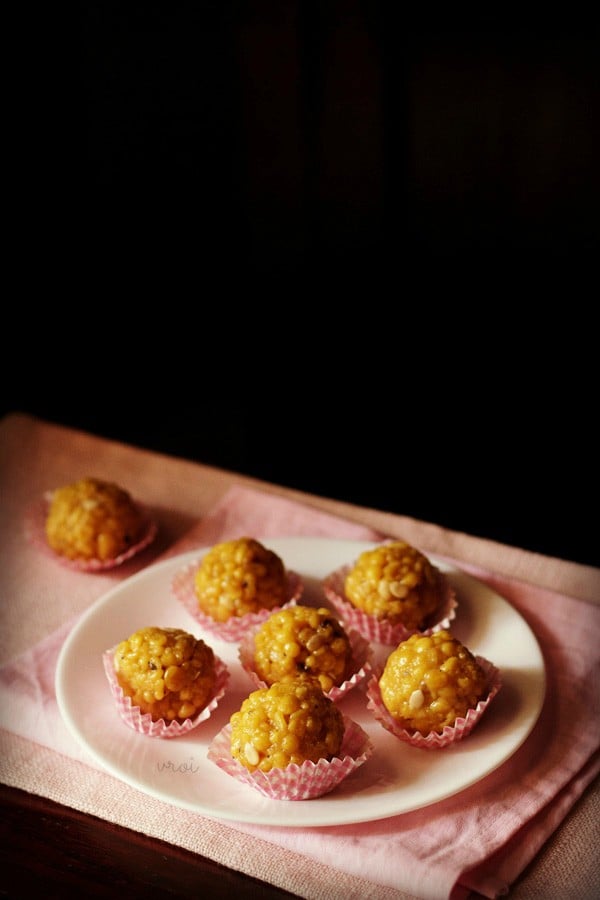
column 479, row 840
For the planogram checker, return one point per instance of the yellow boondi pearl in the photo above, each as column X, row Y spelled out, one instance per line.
column 238, row 577
column 429, row 681
column 286, row 723
column 396, row 583
column 303, row 641
column 92, row 519
column 146, row 671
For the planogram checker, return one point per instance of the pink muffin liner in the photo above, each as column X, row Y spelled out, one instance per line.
column 143, row 722
column 373, row 629
column 361, row 657
column 236, row 627
column 296, row 782
column 451, row 734
column 35, row 531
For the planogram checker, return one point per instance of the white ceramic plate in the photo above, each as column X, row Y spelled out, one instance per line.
column 396, row 779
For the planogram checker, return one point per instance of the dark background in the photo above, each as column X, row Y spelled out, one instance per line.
column 335, row 245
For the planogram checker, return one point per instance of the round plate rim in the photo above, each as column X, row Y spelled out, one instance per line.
column 249, row 806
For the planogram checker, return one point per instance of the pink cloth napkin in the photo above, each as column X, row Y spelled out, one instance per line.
column 479, row 840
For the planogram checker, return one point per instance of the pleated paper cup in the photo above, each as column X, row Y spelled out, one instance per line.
column 143, row 722
column 35, row 531
column 361, row 658
column 234, row 629
column 382, row 631
column 451, row 734
column 296, row 782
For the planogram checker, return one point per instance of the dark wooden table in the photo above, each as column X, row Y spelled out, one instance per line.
column 51, row 850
